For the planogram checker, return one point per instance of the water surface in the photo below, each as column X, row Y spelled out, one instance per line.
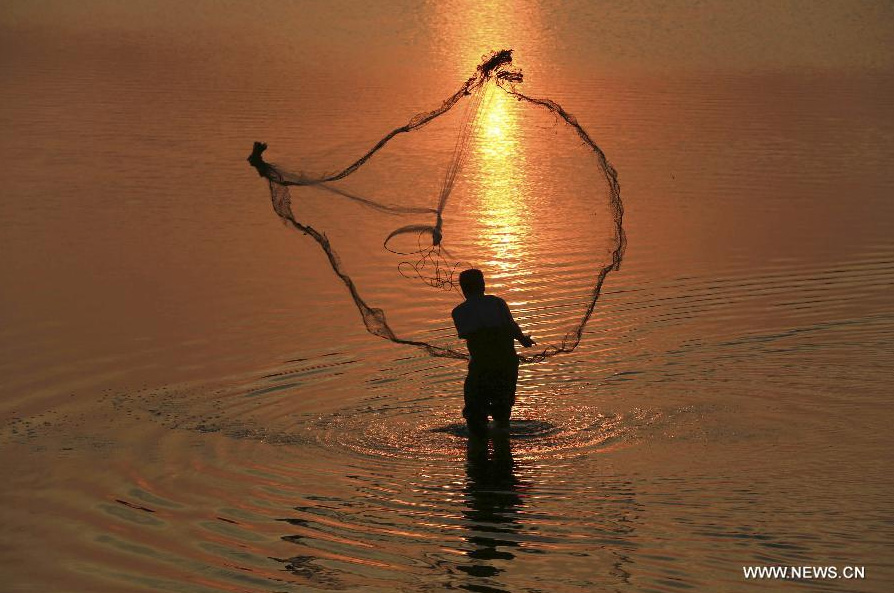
column 190, row 401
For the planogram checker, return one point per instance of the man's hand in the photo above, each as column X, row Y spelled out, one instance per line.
column 526, row 341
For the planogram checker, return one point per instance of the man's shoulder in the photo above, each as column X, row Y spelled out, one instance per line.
column 479, row 301
column 495, row 299
column 458, row 309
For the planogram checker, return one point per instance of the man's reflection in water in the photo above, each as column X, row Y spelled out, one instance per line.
column 492, row 503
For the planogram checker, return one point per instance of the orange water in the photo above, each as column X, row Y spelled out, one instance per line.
column 191, row 403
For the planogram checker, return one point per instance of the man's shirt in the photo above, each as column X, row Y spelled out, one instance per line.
column 486, row 323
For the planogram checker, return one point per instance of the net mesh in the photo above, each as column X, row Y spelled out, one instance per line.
column 407, row 238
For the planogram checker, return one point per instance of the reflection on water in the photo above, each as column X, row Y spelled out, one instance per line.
column 498, row 168
column 493, row 498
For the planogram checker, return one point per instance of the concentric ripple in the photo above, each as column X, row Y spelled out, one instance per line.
column 435, row 432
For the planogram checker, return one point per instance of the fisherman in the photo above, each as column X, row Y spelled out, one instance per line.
column 485, row 322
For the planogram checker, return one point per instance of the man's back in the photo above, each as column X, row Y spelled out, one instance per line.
column 485, row 322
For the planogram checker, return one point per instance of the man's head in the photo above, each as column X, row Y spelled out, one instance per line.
column 471, row 282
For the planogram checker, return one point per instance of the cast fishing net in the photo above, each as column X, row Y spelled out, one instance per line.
column 493, row 179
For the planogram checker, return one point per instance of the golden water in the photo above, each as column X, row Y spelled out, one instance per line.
column 190, row 401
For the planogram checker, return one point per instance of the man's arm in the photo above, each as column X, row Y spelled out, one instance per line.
column 462, row 335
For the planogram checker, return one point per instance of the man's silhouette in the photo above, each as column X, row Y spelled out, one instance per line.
column 486, row 324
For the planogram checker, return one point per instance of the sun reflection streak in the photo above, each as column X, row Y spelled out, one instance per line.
column 498, row 165
column 466, row 31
